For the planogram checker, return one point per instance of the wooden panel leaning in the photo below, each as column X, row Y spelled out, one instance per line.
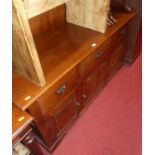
column 90, row 14
column 36, row 7
column 25, row 57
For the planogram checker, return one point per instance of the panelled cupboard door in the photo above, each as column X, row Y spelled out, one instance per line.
column 54, row 124
column 45, row 126
column 117, row 56
column 85, row 91
column 64, row 115
column 102, row 73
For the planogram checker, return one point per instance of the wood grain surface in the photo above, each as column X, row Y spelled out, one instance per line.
column 20, row 120
column 25, row 57
column 60, row 50
column 90, row 14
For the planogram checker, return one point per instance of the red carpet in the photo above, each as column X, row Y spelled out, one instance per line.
column 112, row 123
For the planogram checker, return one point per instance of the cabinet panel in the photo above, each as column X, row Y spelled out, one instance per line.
column 102, row 73
column 45, row 127
column 120, row 36
column 59, row 90
column 85, row 91
column 65, row 114
column 104, row 51
column 52, row 125
column 88, row 88
column 88, row 64
column 117, row 56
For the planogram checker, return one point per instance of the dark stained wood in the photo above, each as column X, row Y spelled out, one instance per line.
column 85, row 91
column 65, row 114
column 47, row 19
column 138, row 45
column 120, row 35
column 46, row 127
column 133, row 53
column 102, row 73
column 77, row 62
column 57, row 119
column 107, row 47
column 118, row 55
column 134, row 30
column 120, row 5
column 59, row 90
column 60, row 50
column 88, row 64
column 32, row 144
column 20, row 121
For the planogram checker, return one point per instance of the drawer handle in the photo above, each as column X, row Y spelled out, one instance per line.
column 84, row 96
column 78, row 104
column 61, row 89
column 98, row 54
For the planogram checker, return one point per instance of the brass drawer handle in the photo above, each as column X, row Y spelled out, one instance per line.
column 61, row 89
column 84, row 96
column 98, row 54
column 78, row 104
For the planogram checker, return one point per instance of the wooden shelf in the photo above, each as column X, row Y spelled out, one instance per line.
column 20, row 120
column 62, row 48
column 59, row 50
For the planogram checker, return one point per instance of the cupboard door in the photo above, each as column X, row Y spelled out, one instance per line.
column 44, row 126
column 85, row 92
column 54, row 123
column 102, row 74
column 64, row 115
column 117, row 56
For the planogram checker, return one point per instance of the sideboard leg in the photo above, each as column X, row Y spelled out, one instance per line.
column 31, row 143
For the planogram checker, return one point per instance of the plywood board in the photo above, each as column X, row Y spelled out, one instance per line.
column 25, row 57
column 36, row 7
column 88, row 13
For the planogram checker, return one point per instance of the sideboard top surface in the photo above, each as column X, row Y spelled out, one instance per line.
column 59, row 51
column 20, row 120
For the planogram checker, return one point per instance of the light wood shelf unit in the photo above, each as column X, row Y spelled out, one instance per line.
column 25, row 56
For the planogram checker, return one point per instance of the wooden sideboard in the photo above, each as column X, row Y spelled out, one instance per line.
column 76, row 63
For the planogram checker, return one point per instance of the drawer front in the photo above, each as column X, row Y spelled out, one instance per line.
column 104, row 51
column 87, row 89
column 59, row 90
column 85, row 92
column 120, row 36
column 117, row 57
column 88, row 65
